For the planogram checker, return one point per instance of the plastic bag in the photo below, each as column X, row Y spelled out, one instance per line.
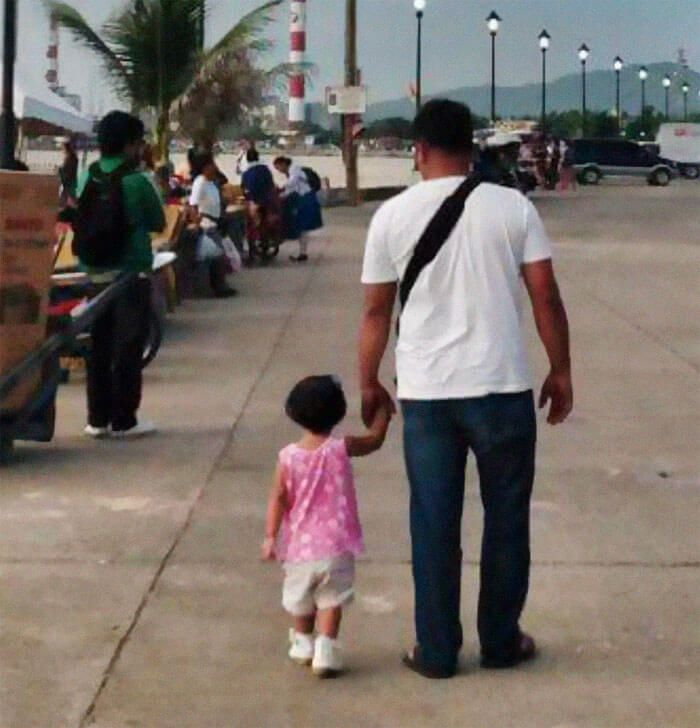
column 234, row 257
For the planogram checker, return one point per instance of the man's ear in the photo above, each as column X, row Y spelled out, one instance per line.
column 420, row 154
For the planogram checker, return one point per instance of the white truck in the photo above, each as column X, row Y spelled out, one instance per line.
column 680, row 143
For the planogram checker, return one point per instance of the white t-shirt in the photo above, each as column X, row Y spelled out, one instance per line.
column 460, row 331
column 297, row 181
column 206, row 197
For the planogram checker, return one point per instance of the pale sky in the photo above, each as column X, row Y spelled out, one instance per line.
column 456, row 41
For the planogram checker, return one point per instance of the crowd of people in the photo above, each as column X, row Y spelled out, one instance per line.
column 117, row 203
column 551, row 160
column 288, row 212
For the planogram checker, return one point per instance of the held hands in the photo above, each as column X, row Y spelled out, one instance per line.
column 374, row 398
column 557, row 389
column 268, row 549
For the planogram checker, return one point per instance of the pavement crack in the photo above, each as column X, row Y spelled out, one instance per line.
column 637, row 327
column 88, row 715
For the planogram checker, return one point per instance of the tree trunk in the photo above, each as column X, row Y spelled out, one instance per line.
column 163, row 134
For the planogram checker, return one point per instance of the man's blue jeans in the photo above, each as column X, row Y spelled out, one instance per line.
column 500, row 430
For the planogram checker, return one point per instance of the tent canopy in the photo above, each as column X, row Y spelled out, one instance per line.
column 36, row 101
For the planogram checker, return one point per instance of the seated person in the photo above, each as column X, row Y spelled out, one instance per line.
column 205, row 210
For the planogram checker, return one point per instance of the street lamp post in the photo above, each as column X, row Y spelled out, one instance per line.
column 8, row 84
column 643, row 75
column 617, row 65
column 667, row 85
column 492, row 22
column 583, row 53
column 419, row 5
column 544, row 45
column 685, row 88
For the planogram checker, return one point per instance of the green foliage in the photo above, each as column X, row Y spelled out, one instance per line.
column 602, row 125
column 151, row 51
column 564, row 124
column 392, row 127
column 150, row 48
column 647, row 127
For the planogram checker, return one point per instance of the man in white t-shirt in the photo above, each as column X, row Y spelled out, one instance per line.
column 464, row 384
column 205, row 204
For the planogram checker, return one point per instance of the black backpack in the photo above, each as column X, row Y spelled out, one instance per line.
column 100, row 230
column 312, row 178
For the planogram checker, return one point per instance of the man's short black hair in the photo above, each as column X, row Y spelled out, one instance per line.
column 118, row 129
column 200, row 161
column 252, row 155
column 445, row 125
column 317, row 404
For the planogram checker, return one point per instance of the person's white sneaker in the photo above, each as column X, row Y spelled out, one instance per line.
column 141, row 428
column 327, row 661
column 96, row 432
column 301, row 647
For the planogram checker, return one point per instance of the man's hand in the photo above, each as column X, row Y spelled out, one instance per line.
column 374, row 398
column 268, row 549
column 557, row 389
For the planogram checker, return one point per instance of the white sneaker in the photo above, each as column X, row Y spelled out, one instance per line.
column 327, row 661
column 141, row 428
column 302, row 647
column 96, row 432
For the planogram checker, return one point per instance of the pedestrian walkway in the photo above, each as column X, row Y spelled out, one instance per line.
column 131, row 590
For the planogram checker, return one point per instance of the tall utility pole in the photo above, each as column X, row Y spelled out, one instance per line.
column 202, row 23
column 8, row 84
column 348, row 119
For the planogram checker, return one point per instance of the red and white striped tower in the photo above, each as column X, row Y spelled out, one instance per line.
column 297, row 48
column 52, row 55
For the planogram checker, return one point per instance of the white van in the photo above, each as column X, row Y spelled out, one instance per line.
column 680, row 143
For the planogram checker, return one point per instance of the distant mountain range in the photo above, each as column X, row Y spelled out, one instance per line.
column 562, row 94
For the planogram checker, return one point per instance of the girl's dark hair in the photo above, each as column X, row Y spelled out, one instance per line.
column 445, row 125
column 317, row 404
column 252, row 155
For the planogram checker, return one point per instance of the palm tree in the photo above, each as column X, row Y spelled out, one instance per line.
column 152, row 51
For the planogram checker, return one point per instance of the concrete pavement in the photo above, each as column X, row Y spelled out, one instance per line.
column 131, row 593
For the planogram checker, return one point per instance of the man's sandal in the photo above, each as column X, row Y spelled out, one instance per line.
column 413, row 660
column 525, row 650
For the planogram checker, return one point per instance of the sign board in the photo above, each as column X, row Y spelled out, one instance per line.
column 28, row 205
column 346, row 99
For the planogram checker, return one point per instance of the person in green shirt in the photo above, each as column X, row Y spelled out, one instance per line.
column 114, row 378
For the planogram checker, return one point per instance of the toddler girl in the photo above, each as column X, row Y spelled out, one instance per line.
column 313, row 501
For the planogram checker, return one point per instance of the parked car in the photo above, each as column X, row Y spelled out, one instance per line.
column 595, row 158
column 680, row 143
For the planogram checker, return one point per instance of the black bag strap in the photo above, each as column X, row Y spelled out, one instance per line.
column 99, row 177
column 435, row 235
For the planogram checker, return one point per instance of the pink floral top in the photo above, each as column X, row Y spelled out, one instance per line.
column 321, row 520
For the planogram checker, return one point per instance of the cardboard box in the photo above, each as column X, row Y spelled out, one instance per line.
column 28, row 207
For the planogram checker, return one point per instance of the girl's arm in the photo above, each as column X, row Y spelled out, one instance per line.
column 276, row 506
column 373, row 439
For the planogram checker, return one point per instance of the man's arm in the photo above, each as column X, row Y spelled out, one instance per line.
column 553, row 328
column 374, row 336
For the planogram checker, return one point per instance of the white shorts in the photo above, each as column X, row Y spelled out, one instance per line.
column 312, row 585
